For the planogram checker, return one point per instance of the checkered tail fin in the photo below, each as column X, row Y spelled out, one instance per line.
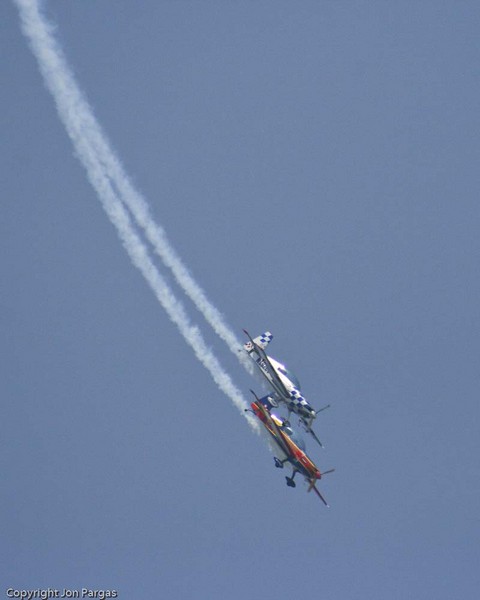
column 264, row 339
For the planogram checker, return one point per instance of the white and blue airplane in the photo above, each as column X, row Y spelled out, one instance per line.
column 286, row 387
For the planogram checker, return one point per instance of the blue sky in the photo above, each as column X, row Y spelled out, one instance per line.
column 316, row 167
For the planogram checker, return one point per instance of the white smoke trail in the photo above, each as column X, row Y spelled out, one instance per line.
column 77, row 117
column 156, row 235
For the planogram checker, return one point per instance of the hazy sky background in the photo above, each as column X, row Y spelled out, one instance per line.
column 315, row 164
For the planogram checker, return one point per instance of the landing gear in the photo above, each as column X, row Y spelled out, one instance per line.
column 286, row 422
column 290, row 481
column 278, row 463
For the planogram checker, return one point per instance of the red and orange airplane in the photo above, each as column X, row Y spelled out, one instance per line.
column 290, row 445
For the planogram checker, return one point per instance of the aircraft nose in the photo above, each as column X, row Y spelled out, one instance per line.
column 318, row 474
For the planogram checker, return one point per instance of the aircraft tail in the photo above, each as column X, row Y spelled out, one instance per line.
column 262, row 341
column 269, row 402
